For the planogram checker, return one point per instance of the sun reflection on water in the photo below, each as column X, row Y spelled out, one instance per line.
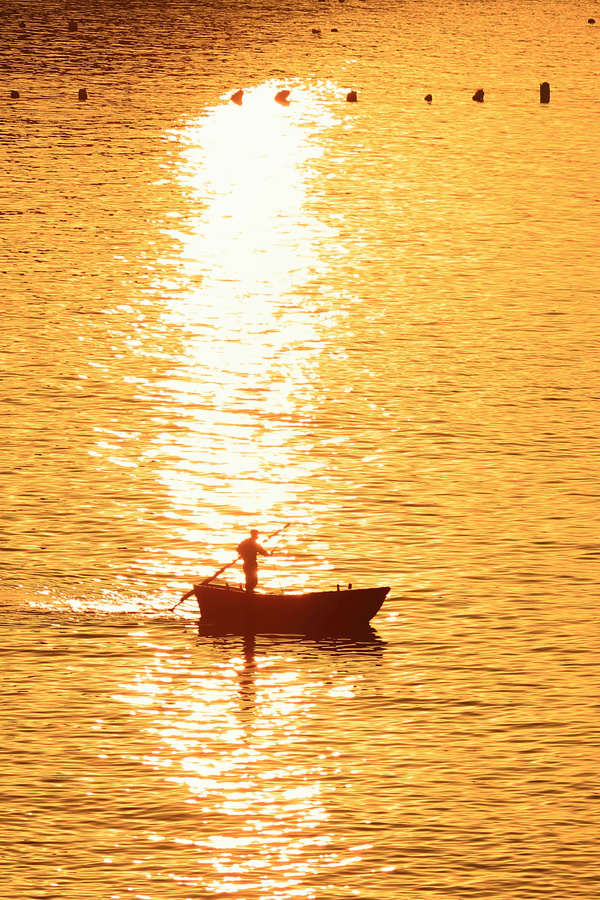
column 230, row 741
column 249, row 294
column 247, row 170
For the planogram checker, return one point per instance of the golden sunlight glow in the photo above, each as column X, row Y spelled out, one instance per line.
column 229, row 741
column 248, row 293
column 247, row 170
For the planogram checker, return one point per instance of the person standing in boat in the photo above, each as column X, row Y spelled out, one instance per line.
column 249, row 550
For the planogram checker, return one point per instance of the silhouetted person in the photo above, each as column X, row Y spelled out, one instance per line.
column 249, row 550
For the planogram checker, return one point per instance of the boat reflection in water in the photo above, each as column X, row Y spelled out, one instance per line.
column 250, row 663
column 339, row 612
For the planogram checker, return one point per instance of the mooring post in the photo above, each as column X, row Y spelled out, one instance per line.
column 544, row 92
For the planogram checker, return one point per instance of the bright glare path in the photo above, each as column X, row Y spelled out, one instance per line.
column 230, row 743
column 248, row 166
column 249, row 292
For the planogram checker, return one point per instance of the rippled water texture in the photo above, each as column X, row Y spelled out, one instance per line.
column 376, row 321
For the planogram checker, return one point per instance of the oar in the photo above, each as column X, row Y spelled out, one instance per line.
column 222, row 569
column 206, row 581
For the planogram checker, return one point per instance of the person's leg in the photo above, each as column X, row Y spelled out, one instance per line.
column 251, row 573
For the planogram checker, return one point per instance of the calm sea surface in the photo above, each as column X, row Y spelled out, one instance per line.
column 377, row 321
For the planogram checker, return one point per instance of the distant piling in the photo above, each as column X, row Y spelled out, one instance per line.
column 478, row 96
column 83, row 95
column 544, row 92
column 281, row 97
column 352, row 97
column 14, row 95
column 237, row 98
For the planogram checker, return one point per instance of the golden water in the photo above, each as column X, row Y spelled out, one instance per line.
column 376, row 321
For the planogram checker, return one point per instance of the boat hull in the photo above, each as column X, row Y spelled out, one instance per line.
column 236, row 611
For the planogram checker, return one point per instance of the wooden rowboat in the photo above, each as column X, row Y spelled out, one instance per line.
column 235, row 610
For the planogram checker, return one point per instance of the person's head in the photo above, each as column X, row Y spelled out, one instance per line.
column 254, row 533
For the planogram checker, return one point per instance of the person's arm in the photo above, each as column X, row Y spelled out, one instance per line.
column 262, row 551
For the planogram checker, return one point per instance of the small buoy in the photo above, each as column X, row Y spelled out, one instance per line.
column 334, row 29
column 352, row 97
column 237, row 98
column 14, row 95
column 316, row 30
column 22, row 24
column 591, row 21
column 282, row 98
column 428, row 97
column 544, row 92
column 82, row 94
column 478, row 96
column 72, row 25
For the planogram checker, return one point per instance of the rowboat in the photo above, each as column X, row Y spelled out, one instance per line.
column 235, row 610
